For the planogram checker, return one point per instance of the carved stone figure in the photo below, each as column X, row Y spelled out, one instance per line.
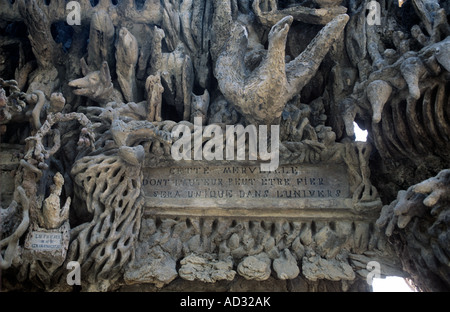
column 262, row 95
column 97, row 85
column 176, row 72
column 53, row 215
column 126, row 57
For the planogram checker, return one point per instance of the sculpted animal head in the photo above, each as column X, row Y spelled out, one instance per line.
column 95, row 85
column 200, row 102
column 199, row 106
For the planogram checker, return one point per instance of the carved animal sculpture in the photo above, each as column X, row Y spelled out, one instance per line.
column 112, row 191
column 149, row 110
column 96, row 85
column 199, row 106
column 111, row 184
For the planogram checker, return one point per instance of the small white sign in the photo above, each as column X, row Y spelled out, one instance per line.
column 45, row 241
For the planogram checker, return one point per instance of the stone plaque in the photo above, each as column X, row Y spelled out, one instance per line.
column 245, row 190
column 47, row 245
column 45, row 241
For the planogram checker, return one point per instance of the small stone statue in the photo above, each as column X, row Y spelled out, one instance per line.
column 53, row 216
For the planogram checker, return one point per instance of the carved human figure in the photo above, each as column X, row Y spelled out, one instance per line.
column 176, row 72
column 53, row 215
column 154, row 90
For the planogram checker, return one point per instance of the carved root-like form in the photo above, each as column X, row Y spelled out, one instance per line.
column 378, row 93
column 38, row 21
column 13, row 105
column 416, row 126
column 101, row 40
column 111, row 188
column 408, row 101
column 300, row 13
column 37, row 154
column 12, row 241
column 123, row 11
column 420, row 215
column 366, row 192
column 36, row 18
column 407, row 93
column 301, row 141
column 412, row 70
column 262, row 94
column 365, row 195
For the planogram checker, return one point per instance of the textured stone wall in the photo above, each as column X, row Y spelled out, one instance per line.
column 88, row 112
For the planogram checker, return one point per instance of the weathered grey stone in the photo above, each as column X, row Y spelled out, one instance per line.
column 126, row 58
column 326, row 241
column 316, row 267
column 206, row 269
column 416, row 215
column 155, row 266
column 297, row 248
column 286, row 266
column 255, row 267
column 233, row 241
column 87, row 114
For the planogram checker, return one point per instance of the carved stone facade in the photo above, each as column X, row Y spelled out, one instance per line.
column 90, row 118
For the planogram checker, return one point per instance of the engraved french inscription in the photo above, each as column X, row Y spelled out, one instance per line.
column 45, row 241
column 247, row 187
